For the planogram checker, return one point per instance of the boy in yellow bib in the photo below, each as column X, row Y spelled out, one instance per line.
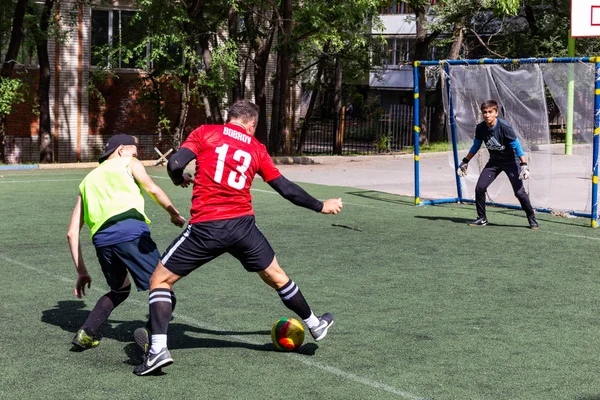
column 111, row 203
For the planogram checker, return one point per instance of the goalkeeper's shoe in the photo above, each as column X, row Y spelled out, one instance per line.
column 142, row 338
column 153, row 362
column 479, row 222
column 84, row 341
column 320, row 331
column 533, row 224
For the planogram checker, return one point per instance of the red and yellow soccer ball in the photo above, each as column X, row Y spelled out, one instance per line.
column 287, row 334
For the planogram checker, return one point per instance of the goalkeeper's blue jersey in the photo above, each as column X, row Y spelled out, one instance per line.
column 498, row 140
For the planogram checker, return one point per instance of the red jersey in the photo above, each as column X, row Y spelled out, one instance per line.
column 227, row 159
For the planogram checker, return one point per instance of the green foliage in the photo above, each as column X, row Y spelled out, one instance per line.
column 224, row 69
column 11, row 92
column 383, row 143
column 99, row 76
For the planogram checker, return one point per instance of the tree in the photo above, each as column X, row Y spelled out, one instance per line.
column 10, row 88
column 279, row 138
column 258, row 36
column 185, row 52
column 450, row 16
column 41, row 38
column 336, row 39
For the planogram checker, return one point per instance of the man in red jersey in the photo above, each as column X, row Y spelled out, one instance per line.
column 222, row 221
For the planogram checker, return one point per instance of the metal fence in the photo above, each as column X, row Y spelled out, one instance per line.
column 389, row 131
column 383, row 132
column 25, row 149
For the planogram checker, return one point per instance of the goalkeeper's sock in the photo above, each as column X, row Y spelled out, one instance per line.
column 160, row 314
column 103, row 308
column 292, row 298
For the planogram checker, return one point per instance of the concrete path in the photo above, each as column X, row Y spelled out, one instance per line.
column 568, row 189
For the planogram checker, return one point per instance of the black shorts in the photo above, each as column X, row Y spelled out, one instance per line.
column 139, row 256
column 205, row 241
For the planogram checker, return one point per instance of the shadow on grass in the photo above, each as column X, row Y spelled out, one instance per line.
column 385, row 197
column 70, row 315
column 451, row 219
column 589, row 397
column 466, row 221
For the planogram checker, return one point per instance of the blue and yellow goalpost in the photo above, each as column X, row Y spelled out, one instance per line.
column 446, row 64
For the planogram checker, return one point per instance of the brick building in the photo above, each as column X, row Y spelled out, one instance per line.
column 81, row 121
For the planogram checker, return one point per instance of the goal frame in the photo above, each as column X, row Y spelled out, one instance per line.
column 446, row 65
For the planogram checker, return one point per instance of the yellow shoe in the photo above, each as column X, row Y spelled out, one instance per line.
column 84, row 341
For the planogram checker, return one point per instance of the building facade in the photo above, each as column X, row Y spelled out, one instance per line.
column 86, row 107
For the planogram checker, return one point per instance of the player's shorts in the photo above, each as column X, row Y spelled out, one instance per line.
column 205, row 241
column 139, row 256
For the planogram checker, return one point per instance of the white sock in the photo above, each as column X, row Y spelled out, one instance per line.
column 159, row 342
column 312, row 321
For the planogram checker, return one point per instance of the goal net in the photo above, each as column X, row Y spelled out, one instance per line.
column 533, row 96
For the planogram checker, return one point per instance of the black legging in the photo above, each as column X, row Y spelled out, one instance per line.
column 489, row 174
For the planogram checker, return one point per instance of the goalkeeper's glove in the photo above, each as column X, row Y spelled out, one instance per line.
column 524, row 171
column 462, row 168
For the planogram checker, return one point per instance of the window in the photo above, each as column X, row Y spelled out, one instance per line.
column 399, row 50
column 400, row 7
column 396, row 7
column 116, row 31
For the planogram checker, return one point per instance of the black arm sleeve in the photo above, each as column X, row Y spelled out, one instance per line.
column 177, row 163
column 294, row 193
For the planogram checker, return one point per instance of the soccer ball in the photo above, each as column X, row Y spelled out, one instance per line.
column 287, row 334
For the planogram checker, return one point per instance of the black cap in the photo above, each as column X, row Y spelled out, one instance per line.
column 114, row 142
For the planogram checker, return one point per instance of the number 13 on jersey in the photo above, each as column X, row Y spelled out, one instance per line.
column 237, row 178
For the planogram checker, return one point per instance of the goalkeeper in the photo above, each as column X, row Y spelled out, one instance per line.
column 505, row 151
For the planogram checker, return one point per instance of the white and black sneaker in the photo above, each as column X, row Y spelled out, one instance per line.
column 152, row 362
column 479, row 222
column 320, row 331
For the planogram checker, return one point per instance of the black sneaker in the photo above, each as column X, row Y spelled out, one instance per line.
column 325, row 322
column 533, row 224
column 479, row 222
column 152, row 362
column 142, row 338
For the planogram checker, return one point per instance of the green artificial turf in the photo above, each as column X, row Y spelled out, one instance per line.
column 424, row 305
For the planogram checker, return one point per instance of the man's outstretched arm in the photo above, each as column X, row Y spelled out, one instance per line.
column 155, row 192
column 295, row 194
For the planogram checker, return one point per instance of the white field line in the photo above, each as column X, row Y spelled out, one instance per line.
column 41, row 181
column 335, row 371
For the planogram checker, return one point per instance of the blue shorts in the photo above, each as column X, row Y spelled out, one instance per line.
column 205, row 241
column 139, row 256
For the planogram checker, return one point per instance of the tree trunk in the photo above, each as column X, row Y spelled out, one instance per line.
column 275, row 130
column 233, row 27
column 260, row 86
column 313, row 99
column 337, row 104
column 213, row 113
column 16, row 38
column 279, row 123
column 45, row 134
column 184, row 106
column 530, row 17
